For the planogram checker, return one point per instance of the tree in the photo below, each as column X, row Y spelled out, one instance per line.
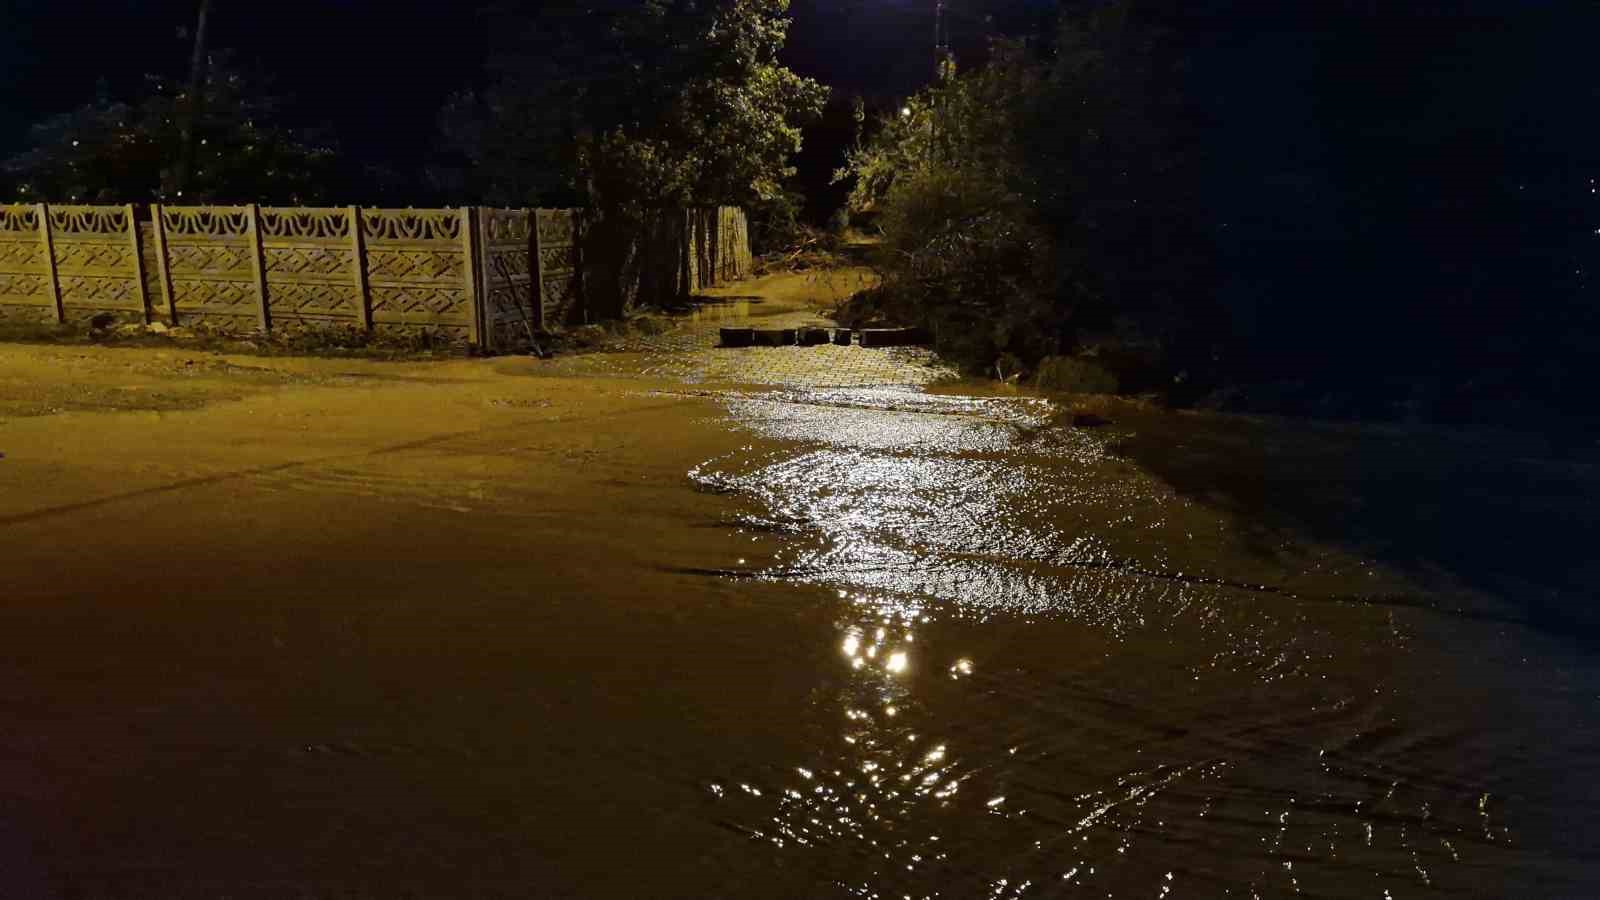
column 1045, row 196
column 648, row 105
column 969, row 123
column 110, row 151
column 1111, row 150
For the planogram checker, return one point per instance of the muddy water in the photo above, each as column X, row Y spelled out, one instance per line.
column 495, row 636
column 1051, row 675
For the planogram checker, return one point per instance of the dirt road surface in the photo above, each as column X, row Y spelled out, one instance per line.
column 671, row 621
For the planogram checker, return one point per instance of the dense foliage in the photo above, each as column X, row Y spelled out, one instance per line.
column 112, row 151
column 1265, row 226
column 633, row 109
column 637, row 105
column 1045, row 203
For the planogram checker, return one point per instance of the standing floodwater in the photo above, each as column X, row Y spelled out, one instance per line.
column 325, row 628
column 1050, row 670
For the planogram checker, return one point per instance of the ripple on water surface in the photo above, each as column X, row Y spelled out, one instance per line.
column 1053, row 674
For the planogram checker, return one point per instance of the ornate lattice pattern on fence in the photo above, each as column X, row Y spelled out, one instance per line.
column 419, row 270
column 24, row 273
column 65, row 263
column 312, row 266
column 97, row 264
column 559, row 233
column 210, row 265
column 489, row 276
column 508, row 277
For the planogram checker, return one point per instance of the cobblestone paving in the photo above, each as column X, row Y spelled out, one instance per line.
column 690, row 353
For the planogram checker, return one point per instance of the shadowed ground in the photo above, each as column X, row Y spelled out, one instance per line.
column 684, row 622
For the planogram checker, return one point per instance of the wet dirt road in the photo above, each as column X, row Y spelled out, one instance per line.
column 335, row 629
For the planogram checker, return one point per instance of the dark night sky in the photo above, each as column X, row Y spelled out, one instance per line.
column 1373, row 170
column 1319, row 98
column 377, row 70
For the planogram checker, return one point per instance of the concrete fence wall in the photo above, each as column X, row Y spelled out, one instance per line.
column 483, row 276
column 719, row 246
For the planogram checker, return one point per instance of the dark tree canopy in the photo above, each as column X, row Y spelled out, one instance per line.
column 661, row 103
column 1047, row 194
column 114, row 151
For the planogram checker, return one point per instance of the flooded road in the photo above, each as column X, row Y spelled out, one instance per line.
column 492, row 629
column 1053, row 674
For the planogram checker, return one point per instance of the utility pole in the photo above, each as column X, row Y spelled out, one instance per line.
column 939, row 53
column 197, row 84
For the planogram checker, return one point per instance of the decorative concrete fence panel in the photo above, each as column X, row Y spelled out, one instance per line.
column 212, row 265
column 25, row 289
column 506, row 241
column 421, row 270
column 490, row 277
column 734, row 260
column 718, row 246
column 558, row 236
column 314, row 268
column 68, row 263
column 96, row 262
column 699, row 227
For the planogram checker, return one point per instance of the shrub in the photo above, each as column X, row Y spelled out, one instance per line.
column 963, row 260
column 317, row 337
column 775, row 224
column 1046, row 194
column 1074, row 376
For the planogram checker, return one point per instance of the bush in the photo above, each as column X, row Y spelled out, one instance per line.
column 962, row 259
column 318, row 337
column 1074, row 376
column 1049, row 193
column 775, row 223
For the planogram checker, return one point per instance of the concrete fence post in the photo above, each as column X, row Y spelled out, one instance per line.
column 358, row 270
column 480, row 258
column 469, row 273
column 258, row 267
column 48, row 244
column 138, row 265
column 535, row 270
column 163, row 267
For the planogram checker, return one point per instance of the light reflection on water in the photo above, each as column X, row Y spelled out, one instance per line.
column 722, row 311
column 1053, row 672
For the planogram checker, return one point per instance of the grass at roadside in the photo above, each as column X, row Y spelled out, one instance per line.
column 338, row 341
